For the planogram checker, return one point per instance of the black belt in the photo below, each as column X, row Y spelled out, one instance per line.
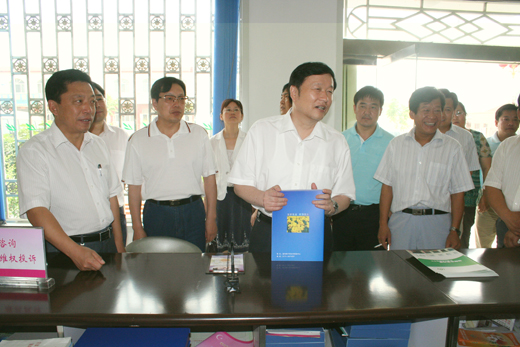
column 97, row 236
column 423, row 211
column 175, row 202
column 354, row 207
column 264, row 218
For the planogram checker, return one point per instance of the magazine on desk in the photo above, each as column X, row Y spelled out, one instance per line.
column 221, row 263
column 451, row 263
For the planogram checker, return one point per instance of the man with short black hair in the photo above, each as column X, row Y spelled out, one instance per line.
column 356, row 228
column 295, row 151
column 116, row 139
column 67, row 183
column 170, row 164
column 463, row 136
column 424, row 178
column 506, row 121
column 285, row 100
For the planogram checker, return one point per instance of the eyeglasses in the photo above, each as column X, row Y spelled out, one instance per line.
column 170, row 99
column 459, row 113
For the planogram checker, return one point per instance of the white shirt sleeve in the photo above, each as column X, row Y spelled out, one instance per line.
column 33, row 180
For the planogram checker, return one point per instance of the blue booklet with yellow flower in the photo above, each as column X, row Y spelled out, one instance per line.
column 297, row 229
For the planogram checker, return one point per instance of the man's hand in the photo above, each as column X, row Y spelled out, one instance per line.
column 384, row 235
column 139, row 232
column 511, row 240
column 324, row 200
column 453, row 240
column 86, row 259
column 512, row 220
column 483, row 205
column 211, row 229
column 273, row 199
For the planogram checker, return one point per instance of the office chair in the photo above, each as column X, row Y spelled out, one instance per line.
column 162, row 244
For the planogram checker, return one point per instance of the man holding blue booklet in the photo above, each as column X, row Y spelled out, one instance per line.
column 295, row 151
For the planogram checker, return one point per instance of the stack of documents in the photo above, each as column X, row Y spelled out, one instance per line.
column 452, row 264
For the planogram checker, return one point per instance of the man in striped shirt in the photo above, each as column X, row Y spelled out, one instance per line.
column 424, row 175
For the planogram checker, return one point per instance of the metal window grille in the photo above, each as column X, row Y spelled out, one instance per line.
column 124, row 45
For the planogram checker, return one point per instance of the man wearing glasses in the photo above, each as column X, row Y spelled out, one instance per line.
column 164, row 163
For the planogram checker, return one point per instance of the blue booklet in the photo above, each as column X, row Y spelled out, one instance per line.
column 297, row 229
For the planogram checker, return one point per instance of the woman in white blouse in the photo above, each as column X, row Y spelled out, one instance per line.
column 233, row 213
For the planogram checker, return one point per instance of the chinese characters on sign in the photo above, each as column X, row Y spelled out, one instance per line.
column 12, row 258
column 22, row 252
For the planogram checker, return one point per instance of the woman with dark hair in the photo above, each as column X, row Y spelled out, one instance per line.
column 233, row 213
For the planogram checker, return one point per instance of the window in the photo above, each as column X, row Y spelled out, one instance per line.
column 124, row 46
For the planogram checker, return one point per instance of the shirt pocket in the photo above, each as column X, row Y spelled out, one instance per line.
column 437, row 175
column 322, row 175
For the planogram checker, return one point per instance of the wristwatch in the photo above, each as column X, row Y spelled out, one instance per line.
column 456, row 230
column 336, row 206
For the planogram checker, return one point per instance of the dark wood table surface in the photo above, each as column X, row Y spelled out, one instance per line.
column 175, row 290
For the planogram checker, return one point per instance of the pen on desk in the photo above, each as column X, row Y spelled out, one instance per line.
column 99, row 168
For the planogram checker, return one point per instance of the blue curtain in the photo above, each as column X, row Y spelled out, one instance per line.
column 227, row 13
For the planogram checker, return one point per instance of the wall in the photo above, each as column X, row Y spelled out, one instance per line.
column 277, row 36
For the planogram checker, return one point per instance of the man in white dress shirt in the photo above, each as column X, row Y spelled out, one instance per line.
column 463, row 136
column 506, row 121
column 66, row 180
column 424, row 178
column 295, row 151
column 502, row 190
column 116, row 139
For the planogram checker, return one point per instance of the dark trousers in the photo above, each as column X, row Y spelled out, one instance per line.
column 467, row 222
column 122, row 218
column 186, row 222
column 260, row 239
column 501, row 232
column 356, row 228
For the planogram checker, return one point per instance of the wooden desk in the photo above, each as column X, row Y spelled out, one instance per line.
column 156, row 290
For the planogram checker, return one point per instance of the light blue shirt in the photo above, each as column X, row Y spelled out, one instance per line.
column 493, row 141
column 366, row 156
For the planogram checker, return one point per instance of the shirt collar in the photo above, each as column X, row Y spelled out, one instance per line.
column 437, row 137
column 153, row 130
column 107, row 128
column 286, row 124
column 57, row 136
column 377, row 133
